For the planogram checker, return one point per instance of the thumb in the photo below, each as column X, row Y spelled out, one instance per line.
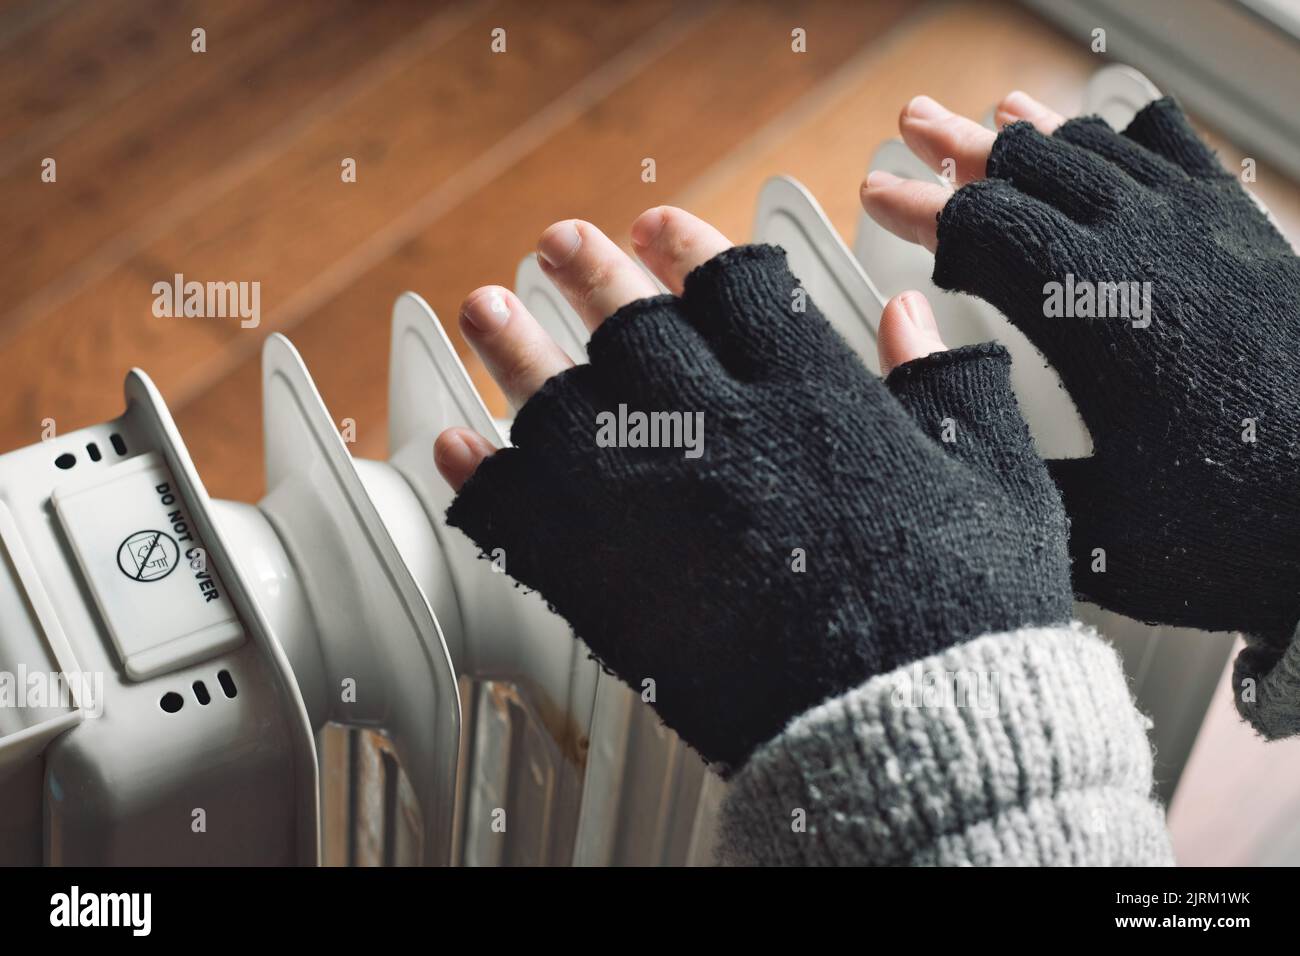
column 907, row 331
column 458, row 452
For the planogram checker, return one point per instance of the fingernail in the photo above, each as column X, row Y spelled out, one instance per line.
column 925, row 108
column 559, row 243
column 454, row 454
column 878, row 177
column 647, row 227
column 1019, row 104
column 487, row 310
column 918, row 312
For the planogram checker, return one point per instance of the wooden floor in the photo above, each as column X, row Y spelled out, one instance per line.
column 225, row 165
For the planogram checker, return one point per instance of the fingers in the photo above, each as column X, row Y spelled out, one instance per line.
column 753, row 314
column 962, row 398
column 948, row 143
column 458, row 452
column 596, row 277
column 997, row 243
column 672, row 243
column 1141, row 164
column 1017, row 106
column 1080, row 183
column 594, row 274
column 650, row 355
column 906, row 207
column 907, row 331
column 1164, row 129
column 517, row 351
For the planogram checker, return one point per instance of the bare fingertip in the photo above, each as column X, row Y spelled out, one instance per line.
column 925, row 108
column 455, row 456
column 1019, row 103
column 878, row 179
column 917, row 309
column 486, row 309
column 559, row 243
column 648, row 226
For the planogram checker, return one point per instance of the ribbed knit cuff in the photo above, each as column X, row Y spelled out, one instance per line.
column 1022, row 748
column 1266, row 687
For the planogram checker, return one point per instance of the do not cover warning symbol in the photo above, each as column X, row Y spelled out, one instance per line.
column 148, row 556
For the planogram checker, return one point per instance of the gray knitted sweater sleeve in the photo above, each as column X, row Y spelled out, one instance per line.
column 1021, row 748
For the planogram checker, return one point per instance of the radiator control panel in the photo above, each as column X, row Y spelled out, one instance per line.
column 143, row 560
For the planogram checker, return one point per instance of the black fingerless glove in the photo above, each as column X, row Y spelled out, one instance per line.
column 827, row 532
column 1188, row 512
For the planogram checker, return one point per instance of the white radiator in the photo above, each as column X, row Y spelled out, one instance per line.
column 332, row 675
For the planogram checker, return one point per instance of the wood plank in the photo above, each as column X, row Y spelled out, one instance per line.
column 69, row 60
column 727, row 77
column 827, row 142
column 291, row 219
column 19, row 19
column 136, row 157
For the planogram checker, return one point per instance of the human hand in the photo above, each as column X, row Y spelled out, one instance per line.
column 832, row 526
